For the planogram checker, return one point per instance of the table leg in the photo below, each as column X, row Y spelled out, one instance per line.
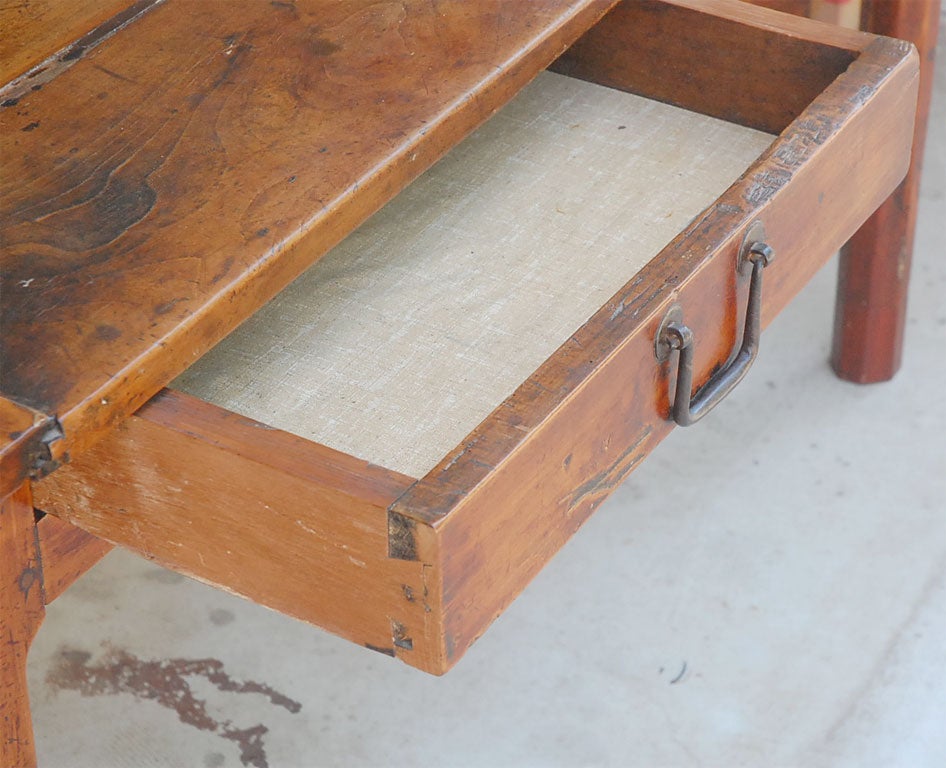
column 875, row 264
column 21, row 612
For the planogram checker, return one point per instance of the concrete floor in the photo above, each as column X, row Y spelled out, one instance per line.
column 781, row 602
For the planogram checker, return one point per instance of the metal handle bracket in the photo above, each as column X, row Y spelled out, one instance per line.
column 689, row 408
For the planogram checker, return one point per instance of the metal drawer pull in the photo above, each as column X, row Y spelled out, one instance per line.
column 688, row 409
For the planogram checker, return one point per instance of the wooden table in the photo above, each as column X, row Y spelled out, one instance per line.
column 169, row 167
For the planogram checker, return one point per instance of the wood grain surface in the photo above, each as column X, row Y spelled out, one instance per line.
column 874, row 273
column 35, row 30
column 159, row 191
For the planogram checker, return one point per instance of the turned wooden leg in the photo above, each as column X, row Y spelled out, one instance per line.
column 21, row 612
column 875, row 264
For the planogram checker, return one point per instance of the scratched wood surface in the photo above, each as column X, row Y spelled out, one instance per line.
column 154, row 195
column 482, row 523
column 34, row 30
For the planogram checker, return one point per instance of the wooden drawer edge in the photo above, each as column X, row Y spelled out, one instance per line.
column 508, row 498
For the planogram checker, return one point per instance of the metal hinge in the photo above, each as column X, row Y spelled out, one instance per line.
column 49, row 450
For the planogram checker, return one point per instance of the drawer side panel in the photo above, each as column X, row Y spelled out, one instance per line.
column 255, row 511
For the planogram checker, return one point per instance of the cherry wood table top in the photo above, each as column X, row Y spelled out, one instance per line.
column 167, row 167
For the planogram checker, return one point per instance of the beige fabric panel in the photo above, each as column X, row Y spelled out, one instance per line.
column 403, row 338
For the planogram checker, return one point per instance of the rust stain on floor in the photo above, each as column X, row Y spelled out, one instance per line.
column 166, row 683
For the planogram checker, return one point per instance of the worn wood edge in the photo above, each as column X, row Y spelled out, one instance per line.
column 259, row 443
column 66, row 553
column 36, row 76
column 783, row 62
column 452, row 505
column 260, row 513
column 86, row 421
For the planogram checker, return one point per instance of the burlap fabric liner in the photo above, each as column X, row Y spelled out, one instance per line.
column 402, row 339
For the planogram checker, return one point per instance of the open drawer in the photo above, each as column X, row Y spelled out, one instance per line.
column 395, row 446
